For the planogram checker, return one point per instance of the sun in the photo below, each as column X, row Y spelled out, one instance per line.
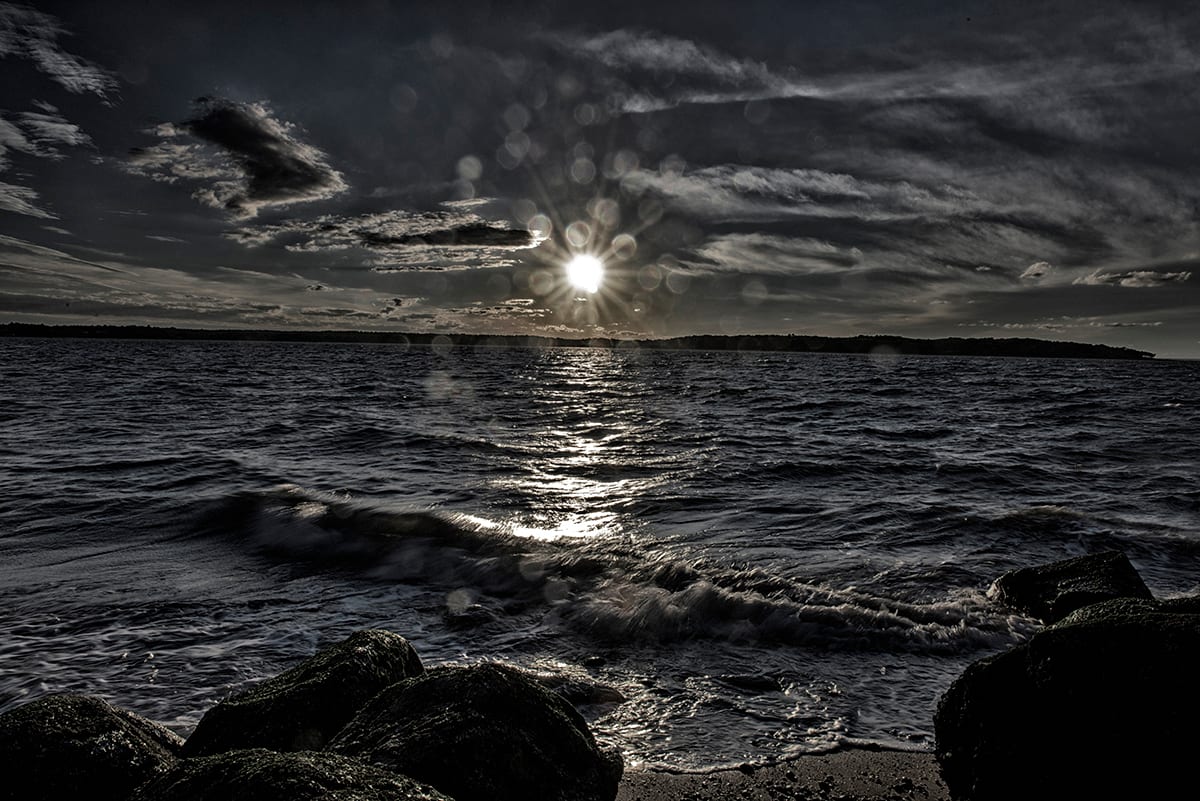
column 585, row 272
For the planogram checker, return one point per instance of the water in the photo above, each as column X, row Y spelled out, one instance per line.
column 721, row 557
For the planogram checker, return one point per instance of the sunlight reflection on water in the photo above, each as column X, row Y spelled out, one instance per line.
column 573, row 473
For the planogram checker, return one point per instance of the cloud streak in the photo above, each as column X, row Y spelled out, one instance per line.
column 1133, row 279
column 452, row 236
column 32, row 35
column 22, row 200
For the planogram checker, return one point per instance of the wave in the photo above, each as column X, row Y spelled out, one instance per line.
column 600, row 588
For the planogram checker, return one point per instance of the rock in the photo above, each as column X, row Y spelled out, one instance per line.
column 262, row 775
column 1103, row 704
column 483, row 733
column 302, row 708
column 80, row 746
column 1051, row 592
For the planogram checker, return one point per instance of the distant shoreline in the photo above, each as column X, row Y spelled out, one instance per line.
column 789, row 343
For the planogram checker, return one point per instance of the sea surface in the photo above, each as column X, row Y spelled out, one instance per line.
column 721, row 557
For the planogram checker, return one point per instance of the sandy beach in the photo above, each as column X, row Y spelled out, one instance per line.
column 850, row 775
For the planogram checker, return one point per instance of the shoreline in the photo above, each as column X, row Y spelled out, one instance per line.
column 854, row 773
column 884, row 346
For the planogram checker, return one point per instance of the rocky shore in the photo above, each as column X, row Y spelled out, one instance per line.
column 1100, row 703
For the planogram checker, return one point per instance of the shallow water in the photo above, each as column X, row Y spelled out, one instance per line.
column 722, row 556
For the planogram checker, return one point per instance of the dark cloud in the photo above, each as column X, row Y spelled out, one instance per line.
column 260, row 161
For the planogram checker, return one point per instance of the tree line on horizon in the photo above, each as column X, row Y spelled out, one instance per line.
column 876, row 344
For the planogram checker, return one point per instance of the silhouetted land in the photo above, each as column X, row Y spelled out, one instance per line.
column 950, row 346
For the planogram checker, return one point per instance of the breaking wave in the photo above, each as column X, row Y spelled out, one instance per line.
column 607, row 591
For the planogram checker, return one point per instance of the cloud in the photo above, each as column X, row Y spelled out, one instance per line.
column 22, row 200
column 258, row 160
column 38, row 134
column 453, row 236
column 54, row 282
column 13, row 138
column 1036, row 271
column 744, row 192
column 651, row 72
column 171, row 161
column 1133, row 279
column 765, row 254
column 32, row 35
column 49, row 128
column 629, row 50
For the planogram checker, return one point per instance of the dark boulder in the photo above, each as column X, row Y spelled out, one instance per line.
column 1051, row 592
column 483, row 733
column 261, row 775
column 80, row 746
column 302, row 708
column 1101, row 705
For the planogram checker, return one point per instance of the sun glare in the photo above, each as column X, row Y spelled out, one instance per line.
column 585, row 272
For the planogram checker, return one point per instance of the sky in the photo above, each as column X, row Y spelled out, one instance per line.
column 830, row 168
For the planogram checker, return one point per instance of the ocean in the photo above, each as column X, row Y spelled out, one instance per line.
column 722, row 557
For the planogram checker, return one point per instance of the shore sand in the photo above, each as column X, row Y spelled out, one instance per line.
column 857, row 774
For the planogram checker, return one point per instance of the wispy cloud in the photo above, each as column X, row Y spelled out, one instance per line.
column 1037, row 271
column 40, row 134
column 45, row 280
column 766, row 254
column 649, row 71
column 1053, row 89
column 22, row 200
column 453, row 236
column 746, row 192
column 258, row 162
column 32, row 35
column 1133, row 279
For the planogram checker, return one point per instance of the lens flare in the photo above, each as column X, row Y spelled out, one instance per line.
column 585, row 272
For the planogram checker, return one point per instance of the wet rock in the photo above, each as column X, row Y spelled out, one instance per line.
column 262, row 775
column 80, row 746
column 305, row 706
column 483, row 733
column 1051, row 592
column 1100, row 705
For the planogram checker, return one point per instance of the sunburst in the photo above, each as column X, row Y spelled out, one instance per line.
column 585, row 272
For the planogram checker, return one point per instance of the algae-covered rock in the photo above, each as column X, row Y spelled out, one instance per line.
column 1101, row 705
column 262, row 775
column 79, row 746
column 305, row 706
column 483, row 733
column 1051, row 592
